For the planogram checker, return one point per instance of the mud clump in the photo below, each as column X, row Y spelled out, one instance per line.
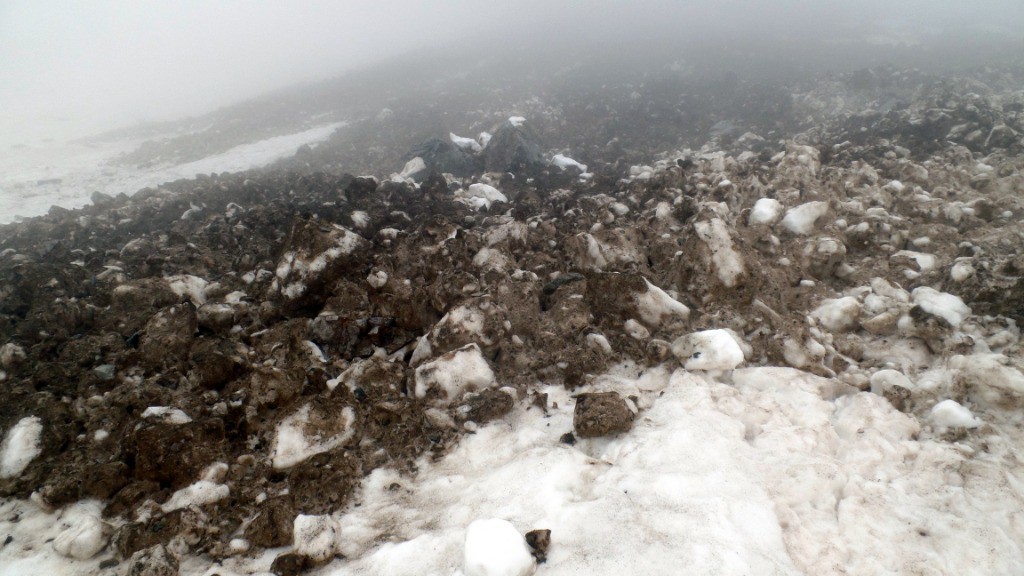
column 601, row 414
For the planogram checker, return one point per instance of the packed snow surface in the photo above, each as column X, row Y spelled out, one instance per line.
column 36, row 177
column 20, row 446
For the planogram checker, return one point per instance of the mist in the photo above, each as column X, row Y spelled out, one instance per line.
column 68, row 70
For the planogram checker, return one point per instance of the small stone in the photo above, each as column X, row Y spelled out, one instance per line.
column 539, row 541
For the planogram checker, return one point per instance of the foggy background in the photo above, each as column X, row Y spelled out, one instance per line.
column 70, row 69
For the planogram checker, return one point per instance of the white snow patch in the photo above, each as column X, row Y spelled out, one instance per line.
column 378, row 279
column 453, row 374
column 413, row 167
column 801, row 219
column 298, row 437
column 315, row 536
column 465, row 143
column 562, row 162
column 713, row 350
column 481, row 195
column 656, row 306
column 196, row 494
column 516, row 121
column 166, row 415
column 838, row 314
column 188, row 285
column 495, row 548
column 942, row 304
column 85, row 534
column 21, row 445
column 727, row 261
column 950, row 414
column 766, row 211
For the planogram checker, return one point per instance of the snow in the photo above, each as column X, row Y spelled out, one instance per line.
column 413, row 167
column 467, row 144
column 495, row 548
column 166, row 415
column 188, row 285
column 728, row 263
column 453, row 374
column 197, row 494
column 84, row 536
column 378, row 279
column 715, row 350
column 28, row 175
column 838, row 314
column 656, row 306
column 484, row 138
column 942, row 304
column 950, row 414
column 315, row 536
column 802, row 219
column 766, row 211
column 564, row 162
column 20, row 446
column 292, row 444
column 481, row 195
column 516, row 121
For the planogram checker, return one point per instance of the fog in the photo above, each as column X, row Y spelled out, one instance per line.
column 70, row 69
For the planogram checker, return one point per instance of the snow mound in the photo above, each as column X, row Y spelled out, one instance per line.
column 711, row 350
column 942, row 304
column 950, row 414
column 495, row 548
column 464, row 143
column 563, row 162
column 766, row 211
column 801, row 219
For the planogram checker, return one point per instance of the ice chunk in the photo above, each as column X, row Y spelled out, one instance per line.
column 413, row 167
column 84, row 536
column 465, row 143
column 293, row 444
column 516, row 121
column 166, row 415
column 713, row 350
column 197, row 494
column 942, row 304
column 950, row 414
column 481, row 195
column 765, row 211
column 188, row 285
column 838, row 314
column 801, row 219
column 656, row 306
column 885, row 380
column 315, row 537
column 454, row 373
column 495, row 548
column 728, row 263
column 564, row 162
column 20, row 446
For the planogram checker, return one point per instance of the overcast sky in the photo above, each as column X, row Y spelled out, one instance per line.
column 73, row 67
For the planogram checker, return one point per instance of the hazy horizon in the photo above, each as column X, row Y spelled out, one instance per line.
column 70, row 70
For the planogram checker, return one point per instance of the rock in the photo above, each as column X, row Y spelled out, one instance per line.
column 154, row 561
column 272, row 526
column 539, row 542
column 441, row 156
column 486, row 405
column 291, row 564
column 513, row 148
column 601, row 414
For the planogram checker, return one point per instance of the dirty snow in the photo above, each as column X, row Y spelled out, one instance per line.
column 20, row 446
